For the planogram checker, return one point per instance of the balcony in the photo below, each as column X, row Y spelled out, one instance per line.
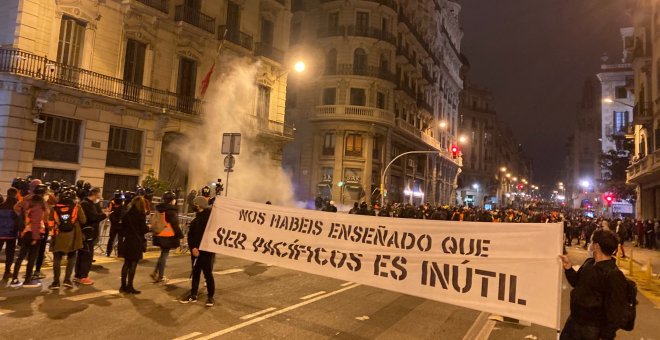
column 368, row 71
column 412, row 130
column 161, row 5
column 422, row 104
column 371, row 32
column 642, row 114
column 40, row 68
column 195, row 18
column 403, row 86
column 644, row 170
column 268, row 51
column 353, row 113
column 388, row 3
column 236, row 37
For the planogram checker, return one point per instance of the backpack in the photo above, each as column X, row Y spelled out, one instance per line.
column 65, row 218
column 157, row 222
column 629, row 312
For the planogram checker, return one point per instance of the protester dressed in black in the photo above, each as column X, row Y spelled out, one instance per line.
column 599, row 294
column 133, row 242
column 202, row 260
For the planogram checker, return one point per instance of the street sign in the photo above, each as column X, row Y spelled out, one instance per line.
column 230, row 161
column 231, row 143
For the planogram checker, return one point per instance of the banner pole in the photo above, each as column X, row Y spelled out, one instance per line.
column 560, row 280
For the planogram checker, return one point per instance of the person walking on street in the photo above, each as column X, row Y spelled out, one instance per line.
column 599, row 291
column 202, row 260
column 90, row 230
column 8, row 229
column 169, row 238
column 65, row 220
column 133, row 244
column 34, row 210
column 50, row 199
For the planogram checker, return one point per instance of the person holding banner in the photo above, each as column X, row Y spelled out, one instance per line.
column 599, row 295
column 202, row 260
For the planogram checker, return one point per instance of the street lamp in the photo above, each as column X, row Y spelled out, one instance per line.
column 503, row 169
column 475, row 186
column 443, row 124
column 382, row 175
column 462, row 139
column 299, row 66
column 609, row 100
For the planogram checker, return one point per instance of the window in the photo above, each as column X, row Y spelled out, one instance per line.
column 621, row 92
column 186, row 84
column 112, row 182
column 295, row 33
column 133, row 69
column 233, row 21
column 124, row 148
column 69, row 47
column 362, row 22
column 266, row 32
column 331, row 62
column 263, row 103
column 384, row 64
column 329, row 144
column 385, row 25
column 620, row 122
column 49, row 175
column 358, row 97
column 359, row 62
column 58, row 139
column 333, row 22
column 329, row 96
column 380, row 100
column 353, row 145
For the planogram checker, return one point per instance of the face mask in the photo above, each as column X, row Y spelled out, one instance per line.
column 97, row 200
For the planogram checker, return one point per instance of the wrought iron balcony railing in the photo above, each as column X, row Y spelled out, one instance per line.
column 357, row 70
column 195, row 18
column 268, row 51
column 161, row 5
column 37, row 67
column 237, row 37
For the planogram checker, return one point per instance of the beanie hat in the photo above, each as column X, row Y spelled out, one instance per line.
column 201, row 202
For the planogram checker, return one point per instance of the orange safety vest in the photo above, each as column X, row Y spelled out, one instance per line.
column 28, row 224
column 168, row 231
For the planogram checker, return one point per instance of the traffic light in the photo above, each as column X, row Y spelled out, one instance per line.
column 609, row 198
column 454, row 151
column 520, row 186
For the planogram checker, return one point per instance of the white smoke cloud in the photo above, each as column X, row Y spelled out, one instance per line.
column 230, row 106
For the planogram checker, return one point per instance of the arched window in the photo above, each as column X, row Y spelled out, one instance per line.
column 331, row 62
column 360, row 62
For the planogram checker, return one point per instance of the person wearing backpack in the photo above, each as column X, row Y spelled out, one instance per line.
column 117, row 208
column 34, row 210
column 167, row 234
column 8, row 229
column 66, row 235
column 599, row 299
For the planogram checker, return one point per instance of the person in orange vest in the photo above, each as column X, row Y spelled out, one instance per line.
column 66, row 235
column 169, row 238
column 34, row 210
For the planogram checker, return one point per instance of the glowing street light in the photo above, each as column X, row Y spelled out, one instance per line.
column 443, row 124
column 475, row 186
column 585, row 184
column 503, row 169
column 462, row 139
column 515, row 179
column 299, row 66
column 508, row 175
column 608, row 100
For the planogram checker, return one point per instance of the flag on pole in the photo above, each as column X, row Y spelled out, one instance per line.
column 207, row 80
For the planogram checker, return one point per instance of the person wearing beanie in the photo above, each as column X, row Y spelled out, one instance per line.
column 202, row 260
column 34, row 209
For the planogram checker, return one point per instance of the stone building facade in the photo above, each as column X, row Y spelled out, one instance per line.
column 98, row 90
column 386, row 82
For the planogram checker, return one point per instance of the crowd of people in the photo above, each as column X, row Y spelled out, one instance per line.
column 67, row 218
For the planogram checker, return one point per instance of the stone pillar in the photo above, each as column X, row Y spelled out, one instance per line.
column 338, row 171
column 368, row 166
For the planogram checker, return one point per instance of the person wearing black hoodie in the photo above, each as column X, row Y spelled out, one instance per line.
column 94, row 213
column 132, row 245
column 202, row 260
column 169, row 238
column 9, row 225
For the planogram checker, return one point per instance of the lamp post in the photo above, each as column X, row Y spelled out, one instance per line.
column 382, row 175
column 476, row 187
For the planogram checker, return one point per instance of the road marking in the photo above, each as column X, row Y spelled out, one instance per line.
column 250, row 316
column 2, row 298
column 275, row 313
column 346, row 284
column 188, row 336
column 175, row 281
column 5, row 311
column 228, row 271
column 92, row 295
column 479, row 322
column 312, row 295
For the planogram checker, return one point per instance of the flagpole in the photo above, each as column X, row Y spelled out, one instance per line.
column 209, row 76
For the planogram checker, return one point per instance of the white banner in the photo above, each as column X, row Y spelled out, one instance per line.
column 510, row 269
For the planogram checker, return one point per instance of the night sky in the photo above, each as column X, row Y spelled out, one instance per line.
column 535, row 55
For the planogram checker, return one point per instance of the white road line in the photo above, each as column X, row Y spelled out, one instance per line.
column 92, row 295
column 188, row 336
column 478, row 323
column 250, row 316
column 175, row 281
column 346, row 284
column 484, row 334
column 275, row 313
column 312, row 295
column 5, row 311
column 228, row 271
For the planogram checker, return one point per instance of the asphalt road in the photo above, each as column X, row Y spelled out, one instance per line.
column 257, row 301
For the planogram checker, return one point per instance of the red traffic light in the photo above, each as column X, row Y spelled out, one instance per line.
column 520, row 186
column 609, row 198
column 454, row 151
